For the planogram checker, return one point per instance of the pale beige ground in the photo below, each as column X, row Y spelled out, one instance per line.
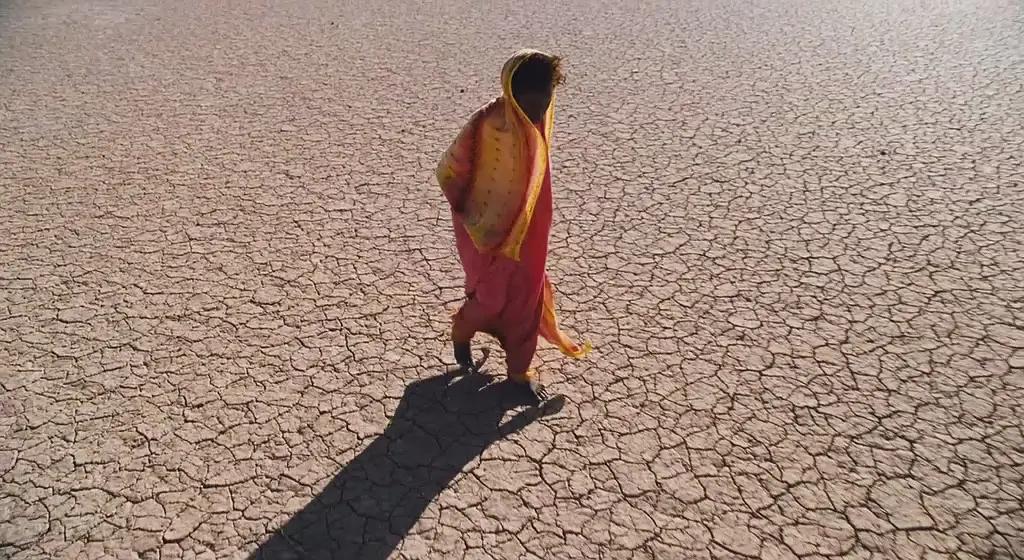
column 791, row 229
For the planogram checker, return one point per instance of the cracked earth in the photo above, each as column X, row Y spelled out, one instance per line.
column 792, row 231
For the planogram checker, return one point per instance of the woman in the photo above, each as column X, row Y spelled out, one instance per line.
column 497, row 178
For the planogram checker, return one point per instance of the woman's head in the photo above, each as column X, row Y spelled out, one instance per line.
column 534, row 81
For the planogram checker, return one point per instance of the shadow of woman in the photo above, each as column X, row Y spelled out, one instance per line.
column 369, row 507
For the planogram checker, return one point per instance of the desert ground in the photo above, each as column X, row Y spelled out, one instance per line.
column 791, row 230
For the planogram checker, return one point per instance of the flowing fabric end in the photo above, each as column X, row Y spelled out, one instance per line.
column 550, row 331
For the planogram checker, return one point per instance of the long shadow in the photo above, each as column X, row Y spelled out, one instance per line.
column 368, row 508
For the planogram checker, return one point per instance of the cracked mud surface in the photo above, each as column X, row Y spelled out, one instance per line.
column 791, row 229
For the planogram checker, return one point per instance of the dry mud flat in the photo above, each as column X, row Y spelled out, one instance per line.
column 792, row 231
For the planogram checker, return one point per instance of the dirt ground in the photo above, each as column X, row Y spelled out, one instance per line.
column 791, row 229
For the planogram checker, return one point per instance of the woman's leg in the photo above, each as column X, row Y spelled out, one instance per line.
column 519, row 352
column 470, row 319
column 519, row 356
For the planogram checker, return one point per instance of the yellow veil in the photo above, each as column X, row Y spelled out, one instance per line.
column 512, row 157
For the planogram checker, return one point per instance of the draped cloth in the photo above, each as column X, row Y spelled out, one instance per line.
column 496, row 176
